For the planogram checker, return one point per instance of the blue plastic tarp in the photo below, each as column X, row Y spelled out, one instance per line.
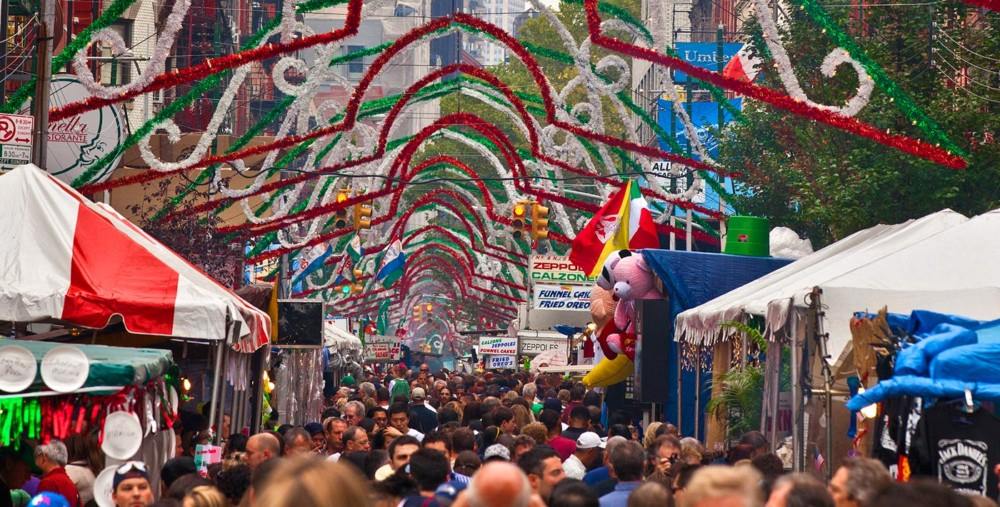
column 952, row 354
column 690, row 279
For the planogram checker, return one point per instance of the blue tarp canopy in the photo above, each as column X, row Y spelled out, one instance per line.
column 952, row 354
column 690, row 279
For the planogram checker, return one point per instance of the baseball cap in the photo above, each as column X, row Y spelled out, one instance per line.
column 497, row 451
column 418, row 393
column 588, row 440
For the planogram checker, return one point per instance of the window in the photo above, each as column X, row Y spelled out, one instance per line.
column 355, row 67
column 113, row 72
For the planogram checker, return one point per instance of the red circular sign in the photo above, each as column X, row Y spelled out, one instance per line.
column 7, row 129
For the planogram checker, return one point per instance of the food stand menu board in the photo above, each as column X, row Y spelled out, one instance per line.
column 497, row 345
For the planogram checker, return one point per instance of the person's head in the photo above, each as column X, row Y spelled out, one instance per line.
column 317, row 437
column 381, row 396
column 380, row 416
column 438, row 441
column 205, row 496
column 529, row 391
column 610, row 446
column 356, row 440
column 543, row 468
column 536, row 431
column 522, row 444
column 550, row 418
column 499, row 484
column 418, row 395
column 799, row 490
column 130, row 486
column 665, row 452
column 627, row 461
column 233, row 481
column 237, row 442
column 757, row 442
column 923, row 492
column 579, row 417
column 354, row 412
column 314, row 482
column 51, row 455
column 857, row 481
column 425, row 369
column 682, row 477
column 297, row 442
column 334, row 427
column 463, row 439
column 400, row 451
column 650, row 494
column 367, row 390
column 184, row 485
column 503, row 418
column 399, row 417
column 429, row 468
column 588, row 448
column 447, row 415
column 573, row 493
column 467, row 463
column 262, row 447
column 175, row 468
column 723, row 486
column 770, row 467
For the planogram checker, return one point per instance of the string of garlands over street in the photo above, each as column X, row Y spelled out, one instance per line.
column 499, row 253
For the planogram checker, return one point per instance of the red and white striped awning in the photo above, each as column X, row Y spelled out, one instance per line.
column 67, row 258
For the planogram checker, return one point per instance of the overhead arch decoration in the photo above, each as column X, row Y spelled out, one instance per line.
column 568, row 147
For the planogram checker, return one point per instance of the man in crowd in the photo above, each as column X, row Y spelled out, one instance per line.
column 130, row 486
column 297, row 442
column 562, row 445
column 334, row 428
column 498, row 484
column 354, row 412
column 356, row 440
column 429, row 469
column 575, row 400
column 422, row 418
column 579, row 422
column 544, row 469
column 260, row 448
column 381, row 418
column 588, row 451
column 51, row 459
column 503, row 418
column 666, row 450
column 799, row 490
column 627, row 460
column 399, row 418
column 858, row 481
column 400, row 451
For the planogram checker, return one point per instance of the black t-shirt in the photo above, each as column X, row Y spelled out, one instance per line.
column 573, row 433
column 958, row 448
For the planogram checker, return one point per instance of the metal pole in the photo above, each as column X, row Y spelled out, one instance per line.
column 797, row 413
column 3, row 42
column 697, row 393
column 673, row 227
column 680, row 411
column 821, row 342
column 222, row 379
column 257, row 384
column 43, row 72
column 213, row 406
column 688, row 230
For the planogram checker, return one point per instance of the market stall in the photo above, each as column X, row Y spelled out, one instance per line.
column 53, row 391
column 943, row 262
column 71, row 261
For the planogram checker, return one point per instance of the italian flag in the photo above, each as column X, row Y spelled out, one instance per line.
column 623, row 223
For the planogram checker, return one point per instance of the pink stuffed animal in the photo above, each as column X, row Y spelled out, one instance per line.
column 631, row 280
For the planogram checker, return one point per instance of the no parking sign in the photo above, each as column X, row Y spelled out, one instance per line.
column 15, row 140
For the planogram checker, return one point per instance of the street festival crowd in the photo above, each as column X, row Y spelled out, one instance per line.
column 417, row 439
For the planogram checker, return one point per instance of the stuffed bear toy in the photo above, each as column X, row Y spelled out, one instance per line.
column 632, row 281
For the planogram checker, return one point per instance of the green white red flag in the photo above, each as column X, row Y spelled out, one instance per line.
column 623, row 223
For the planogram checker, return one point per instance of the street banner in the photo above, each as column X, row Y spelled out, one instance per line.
column 555, row 297
column 497, row 345
column 704, row 55
column 557, row 270
column 535, row 346
column 500, row 362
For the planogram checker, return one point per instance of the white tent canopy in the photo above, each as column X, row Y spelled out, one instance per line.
column 338, row 339
column 943, row 262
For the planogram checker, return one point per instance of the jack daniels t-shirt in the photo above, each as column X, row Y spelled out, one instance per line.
column 958, row 448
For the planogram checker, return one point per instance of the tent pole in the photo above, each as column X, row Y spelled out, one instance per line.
column 213, row 407
column 797, row 411
column 680, row 406
column 697, row 393
column 824, row 357
column 257, row 384
column 235, row 333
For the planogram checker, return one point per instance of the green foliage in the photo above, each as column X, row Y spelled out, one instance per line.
column 739, row 402
column 827, row 184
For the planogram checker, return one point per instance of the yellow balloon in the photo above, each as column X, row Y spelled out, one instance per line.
column 609, row 372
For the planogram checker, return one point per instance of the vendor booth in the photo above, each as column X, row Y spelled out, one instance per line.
column 58, row 391
column 943, row 262
column 689, row 279
column 71, row 261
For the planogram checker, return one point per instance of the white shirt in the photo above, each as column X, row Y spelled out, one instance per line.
column 333, row 457
column 83, row 479
column 416, row 434
column 574, row 467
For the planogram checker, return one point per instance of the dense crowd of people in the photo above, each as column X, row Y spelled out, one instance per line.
column 416, row 439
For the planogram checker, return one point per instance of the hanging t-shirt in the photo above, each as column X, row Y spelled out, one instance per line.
column 958, row 448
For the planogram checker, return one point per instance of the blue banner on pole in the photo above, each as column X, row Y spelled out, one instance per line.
column 704, row 117
column 703, row 54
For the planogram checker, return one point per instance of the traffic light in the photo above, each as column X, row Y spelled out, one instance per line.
column 539, row 221
column 358, row 273
column 428, row 307
column 345, row 289
column 362, row 216
column 357, row 287
column 418, row 312
column 518, row 215
column 341, row 216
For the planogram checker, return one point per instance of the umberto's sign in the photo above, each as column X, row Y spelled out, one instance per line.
column 558, row 270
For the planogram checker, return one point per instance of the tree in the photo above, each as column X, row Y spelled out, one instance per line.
column 828, row 184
